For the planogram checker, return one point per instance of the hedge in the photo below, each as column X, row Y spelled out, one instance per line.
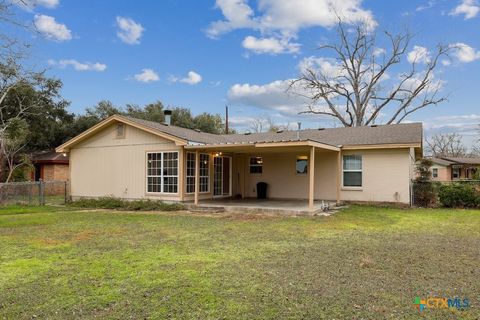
column 120, row 204
column 459, row 195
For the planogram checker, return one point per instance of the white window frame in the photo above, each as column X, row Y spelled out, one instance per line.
column 162, row 176
column 434, row 172
column 200, row 177
column 255, row 165
column 352, row 170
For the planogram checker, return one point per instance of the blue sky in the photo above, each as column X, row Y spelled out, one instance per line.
column 206, row 54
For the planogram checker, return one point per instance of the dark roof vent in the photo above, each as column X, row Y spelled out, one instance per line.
column 280, row 131
column 321, row 129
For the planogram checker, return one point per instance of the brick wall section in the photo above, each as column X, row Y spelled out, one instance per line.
column 61, row 172
column 48, row 172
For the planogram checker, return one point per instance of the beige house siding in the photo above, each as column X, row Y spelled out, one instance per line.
column 103, row 165
column 385, row 176
column 279, row 172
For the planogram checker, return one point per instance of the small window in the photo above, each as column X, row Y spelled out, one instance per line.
column 302, row 165
column 435, row 173
column 352, row 171
column 120, row 130
column 256, row 165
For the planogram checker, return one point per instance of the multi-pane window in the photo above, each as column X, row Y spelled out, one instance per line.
column 352, row 170
column 302, row 165
column 162, row 172
column 203, row 173
column 435, row 173
column 256, row 165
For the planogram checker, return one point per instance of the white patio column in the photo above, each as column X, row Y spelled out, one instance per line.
column 311, row 170
column 197, row 175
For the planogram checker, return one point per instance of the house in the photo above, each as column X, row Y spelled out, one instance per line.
column 49, row 166
column 132, row 158
column 454, row 168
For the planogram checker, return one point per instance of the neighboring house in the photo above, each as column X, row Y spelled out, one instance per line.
column 132, row 158
column 454, row 168
column 50, row 166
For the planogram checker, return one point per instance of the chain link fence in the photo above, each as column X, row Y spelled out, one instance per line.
column 34, row 193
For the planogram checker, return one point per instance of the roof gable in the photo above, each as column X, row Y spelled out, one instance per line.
column 107, row 122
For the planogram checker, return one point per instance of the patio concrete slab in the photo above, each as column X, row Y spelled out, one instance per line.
column 286, row 207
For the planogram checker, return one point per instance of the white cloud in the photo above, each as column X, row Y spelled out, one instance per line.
column 51, row 29
column 419, row 55
column 379, row 51
column 192, row 78
column 237, row 15
column 415, row 81
column 79, row 66
column 282, row 19
column 48, row 3
column 328, row 67
column 270, row 45
column 129, row 31
column 430, row 4
column 147, row 75
column 464, row 53
column 446, row 62
column 272, row 96
column 468, row 8
column 288, row 17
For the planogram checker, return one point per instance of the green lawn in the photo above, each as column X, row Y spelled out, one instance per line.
column 362, row 263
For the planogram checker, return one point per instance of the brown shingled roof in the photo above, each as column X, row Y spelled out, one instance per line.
column 463, row 160
column 50, row 157
column 382, row 134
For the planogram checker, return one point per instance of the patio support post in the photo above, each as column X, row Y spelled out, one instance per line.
column 311, row 170
column 197, row 175
column 339, row 173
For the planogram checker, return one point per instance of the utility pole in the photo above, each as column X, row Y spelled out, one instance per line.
column 226, row 120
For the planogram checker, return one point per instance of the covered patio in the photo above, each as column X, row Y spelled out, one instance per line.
column 298, row 175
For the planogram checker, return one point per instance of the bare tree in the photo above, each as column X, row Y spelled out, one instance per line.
column 354, row 93
column 266, row 124
column 445, row 145
column 12, row 143
column 257, row 125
